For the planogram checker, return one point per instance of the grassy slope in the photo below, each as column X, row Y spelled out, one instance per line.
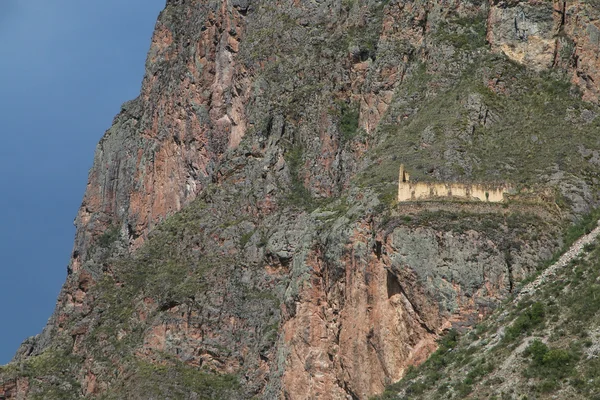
column 535, row 123
column 545, row 346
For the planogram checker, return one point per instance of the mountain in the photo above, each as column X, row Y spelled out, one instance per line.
column 240, row 236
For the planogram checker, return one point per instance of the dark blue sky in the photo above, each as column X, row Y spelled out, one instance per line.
column 65, row 68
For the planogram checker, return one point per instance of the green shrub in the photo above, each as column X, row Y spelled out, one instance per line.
column 245, row 238
column 299, row 195
column 582, row 227
column 54, row 372
column 464, row 33
column 548, row 386
column 349, row 115
column 463, row 389
column 525, row 322
column 536, row 350
column 109, row 236
column 449, row 340
column 480, row 370
column 173, row 380
column 550, row 364
column 556, row 358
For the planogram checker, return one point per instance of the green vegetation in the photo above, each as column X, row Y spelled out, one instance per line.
column 175, row 380
column 52, row 361
column 299, row 195
column 108, row 237
column 53, row 376
column 349, row 115
column 529, row 319
column 104, row 245
column 168, row 272
column 572, row 232
column 207, row 385
column 464, row 33
column 53, row 373
column 491, row 121
column 429, row 375
column 517, row 133
column 550, row 364
column 365, row 37
column 245, row 238
column 161, row 269
column 581, row 227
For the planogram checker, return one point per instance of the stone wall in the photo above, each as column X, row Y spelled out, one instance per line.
column 410, row 191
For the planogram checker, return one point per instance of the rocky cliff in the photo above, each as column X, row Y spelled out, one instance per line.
column 239, row 236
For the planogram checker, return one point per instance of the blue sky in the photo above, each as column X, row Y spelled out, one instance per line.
column 65, row 68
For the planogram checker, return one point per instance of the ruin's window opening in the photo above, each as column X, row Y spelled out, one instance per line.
column 377, row 249
column 393, row 286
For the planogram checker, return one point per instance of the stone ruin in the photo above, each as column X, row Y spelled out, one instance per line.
column 412, row 191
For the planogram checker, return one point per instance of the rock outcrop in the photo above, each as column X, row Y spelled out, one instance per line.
column 543, row 35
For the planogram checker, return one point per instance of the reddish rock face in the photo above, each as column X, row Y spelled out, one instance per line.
column 15, row 390
column 164, row 145
column 353, row 336
column 549, row 35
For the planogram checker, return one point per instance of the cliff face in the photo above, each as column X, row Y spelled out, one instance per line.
column 164, row 146
column 545, row 35
column 239, row 235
